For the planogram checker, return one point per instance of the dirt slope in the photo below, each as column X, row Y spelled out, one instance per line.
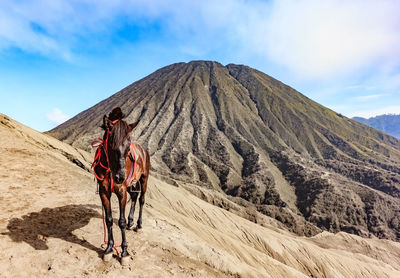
column 50, row 226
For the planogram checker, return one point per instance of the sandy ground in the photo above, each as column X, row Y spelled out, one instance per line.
column 51, row 226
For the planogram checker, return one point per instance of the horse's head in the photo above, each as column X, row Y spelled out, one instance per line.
column 118, row 132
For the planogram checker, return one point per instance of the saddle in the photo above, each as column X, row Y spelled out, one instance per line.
column 132, row 183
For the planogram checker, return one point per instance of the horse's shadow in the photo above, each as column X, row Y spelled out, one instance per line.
column 34, row 228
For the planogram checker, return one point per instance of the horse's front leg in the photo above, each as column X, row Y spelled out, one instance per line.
column 105, row 200
column 122, row 196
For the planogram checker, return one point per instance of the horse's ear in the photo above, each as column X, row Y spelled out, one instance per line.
column 133, row 125
column 107, row 124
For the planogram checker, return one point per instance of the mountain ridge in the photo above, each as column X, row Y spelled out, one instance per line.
column 242, row 133
column 389, row 123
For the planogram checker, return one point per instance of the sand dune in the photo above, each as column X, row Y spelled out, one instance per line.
column 50, row 226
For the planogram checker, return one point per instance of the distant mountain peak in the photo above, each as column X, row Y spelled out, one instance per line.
column 389, row 123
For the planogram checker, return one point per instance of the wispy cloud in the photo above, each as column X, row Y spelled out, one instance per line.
column 55, row 27
column 360, row 87
column 369, row 97
column 56, row 116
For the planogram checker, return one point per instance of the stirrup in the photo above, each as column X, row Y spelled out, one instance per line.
column 134, row 186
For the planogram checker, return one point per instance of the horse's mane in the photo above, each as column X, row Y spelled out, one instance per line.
column 120, row 129
column 118, row 134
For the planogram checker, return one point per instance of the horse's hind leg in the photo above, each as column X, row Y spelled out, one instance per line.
column 143, row 183
column 134, row 196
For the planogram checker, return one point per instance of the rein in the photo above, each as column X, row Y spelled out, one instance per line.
column 100, row 143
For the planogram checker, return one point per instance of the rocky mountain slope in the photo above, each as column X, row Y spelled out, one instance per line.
column 261, row 144
column 50, row 226
column 387, row 123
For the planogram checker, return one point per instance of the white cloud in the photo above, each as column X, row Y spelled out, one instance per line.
column 56, row 116
column 369, row 97
column 360, row 87
column 395, row 109
column 317, row 39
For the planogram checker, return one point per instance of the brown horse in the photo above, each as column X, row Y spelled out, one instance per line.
column 120, row 166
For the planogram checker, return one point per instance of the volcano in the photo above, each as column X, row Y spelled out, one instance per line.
column 251, row 140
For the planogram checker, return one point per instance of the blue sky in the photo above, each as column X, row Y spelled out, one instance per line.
column 60, row 57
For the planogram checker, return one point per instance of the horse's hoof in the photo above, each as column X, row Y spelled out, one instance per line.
column 125, row 260
column 107, row 257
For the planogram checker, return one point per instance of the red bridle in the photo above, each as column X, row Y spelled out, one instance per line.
column 100, row 143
